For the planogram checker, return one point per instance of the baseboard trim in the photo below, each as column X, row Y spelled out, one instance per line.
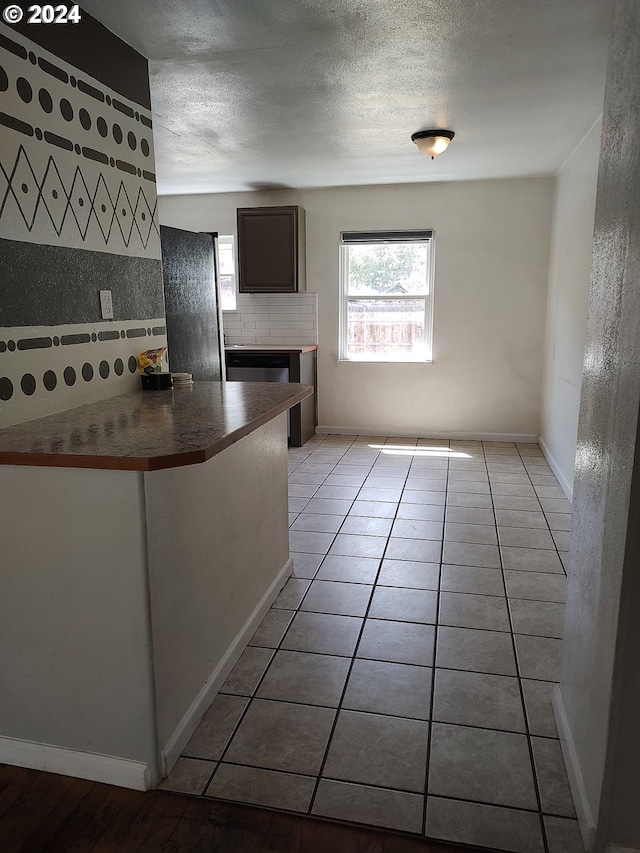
column 523, row 438
column 557, row 470
column 71, row 762
column 188, row 724
column 586, row 821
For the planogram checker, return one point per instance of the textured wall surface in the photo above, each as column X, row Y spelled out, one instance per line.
column 568, row 296
column 492, row 257
column 77, row 215
column 309, row 93
column 600, row 681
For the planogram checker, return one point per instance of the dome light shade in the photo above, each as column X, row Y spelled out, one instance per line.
column 432, row 142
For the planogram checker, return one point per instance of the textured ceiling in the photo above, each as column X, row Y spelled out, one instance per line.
column 309, row 93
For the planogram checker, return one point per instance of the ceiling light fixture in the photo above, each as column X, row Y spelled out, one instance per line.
column 432, row 142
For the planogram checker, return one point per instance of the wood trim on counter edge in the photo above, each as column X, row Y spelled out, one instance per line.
column 149, row 463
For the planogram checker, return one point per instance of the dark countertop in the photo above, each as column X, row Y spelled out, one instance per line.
column 150, row 430
column 270, row 348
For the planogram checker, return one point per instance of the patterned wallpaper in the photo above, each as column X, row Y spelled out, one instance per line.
column 78, row 213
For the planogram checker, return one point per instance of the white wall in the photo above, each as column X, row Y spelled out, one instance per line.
column 569, row 269
column 492, row 256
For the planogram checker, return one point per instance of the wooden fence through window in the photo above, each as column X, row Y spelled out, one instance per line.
column 390, row 330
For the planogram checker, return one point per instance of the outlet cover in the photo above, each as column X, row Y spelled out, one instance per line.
column 106, row 305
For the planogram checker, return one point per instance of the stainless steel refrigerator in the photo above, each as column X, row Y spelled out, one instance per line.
column 192, row 303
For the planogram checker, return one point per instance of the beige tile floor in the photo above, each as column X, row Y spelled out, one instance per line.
column 403, row 677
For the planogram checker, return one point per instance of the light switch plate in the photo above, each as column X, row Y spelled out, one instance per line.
column 106, row 305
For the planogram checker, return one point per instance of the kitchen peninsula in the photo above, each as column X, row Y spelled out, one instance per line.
column 142, row 539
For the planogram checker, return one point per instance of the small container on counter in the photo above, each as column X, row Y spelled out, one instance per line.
column 156, row 381
column 182, row 380
column 152, row 376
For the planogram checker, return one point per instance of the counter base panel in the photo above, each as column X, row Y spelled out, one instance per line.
column 218, row 538
column 76, row 659
column 126, row 600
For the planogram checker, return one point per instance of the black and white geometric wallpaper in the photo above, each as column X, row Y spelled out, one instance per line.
column 42, row 365
column 77, row 165
column 78, row 214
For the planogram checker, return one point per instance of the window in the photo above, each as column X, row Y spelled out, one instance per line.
column 227, row 262
column 387, row 296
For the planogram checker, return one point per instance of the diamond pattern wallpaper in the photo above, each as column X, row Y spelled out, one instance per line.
column 79, row 208
column 76, row 162
column 78, row 213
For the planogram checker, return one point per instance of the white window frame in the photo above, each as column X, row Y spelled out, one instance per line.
column 349, row 238
column 229, row 238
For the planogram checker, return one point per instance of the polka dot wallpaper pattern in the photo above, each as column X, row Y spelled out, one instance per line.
column 78, row 212
column 43, row 370
column 77, row 166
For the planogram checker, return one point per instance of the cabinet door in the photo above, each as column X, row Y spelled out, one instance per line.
column 268, row 249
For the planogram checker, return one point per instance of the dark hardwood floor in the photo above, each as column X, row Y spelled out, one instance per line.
column 46, row 812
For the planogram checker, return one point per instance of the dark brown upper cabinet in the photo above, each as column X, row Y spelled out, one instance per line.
column 271, row 249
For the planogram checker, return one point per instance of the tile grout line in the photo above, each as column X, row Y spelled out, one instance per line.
column 533, row 811
column 353, row 658
column 378, row 660
column 545, row 513
column 377, row 787
column 448, row 591
column 374, row 713
column 434, row 663
column 271, row 659
column 521, row 689
column 564, row 569
column 425, row 539
column 376, row 585
column 251, row 698
column 425, row 589
column 298, row 610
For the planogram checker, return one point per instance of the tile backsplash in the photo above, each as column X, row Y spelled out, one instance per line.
column 283, row 318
